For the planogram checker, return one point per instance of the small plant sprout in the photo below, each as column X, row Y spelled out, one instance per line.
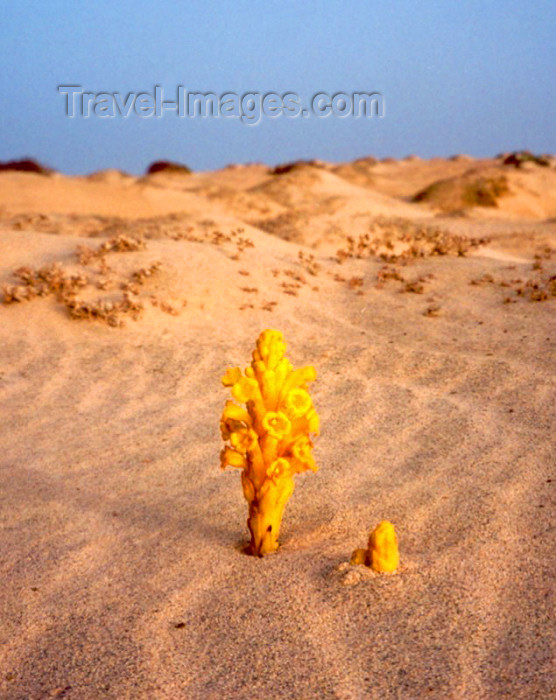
column 382, row 551
column 269, row 439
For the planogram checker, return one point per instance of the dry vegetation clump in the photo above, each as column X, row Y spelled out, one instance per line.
column 307, row 260
column 44, row 223
column 166, row 306
column 539, row 286
column 235, row 237
column 47, row 280
column 484, row 279
column 119, row 244
column 110, row 312
column 356, row 283
column 143, row 273
column 175, row 226
column 397, row 240
column 291, row 288
column 390, row 273
column 296, row 276
column 387, row 272
column 415, row 286
column 294, row 282
column 55, row 280
column 539, row 289
column 269, row 305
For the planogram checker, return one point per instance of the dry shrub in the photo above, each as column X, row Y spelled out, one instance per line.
column 398, row 240
column 235, row 237
column 142, row 274
column 109, row 312
column 540, row 286
column 47, row 280
column 55, row 280
column 119, row 244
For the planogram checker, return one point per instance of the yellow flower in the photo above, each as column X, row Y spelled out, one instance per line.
column 301, row 450
column 245, row 389
column 278, row 469
column 298, row 402
column 243, row 440
column 269, row 437
column 233, row 418
column 236, row 413
column 313, row 420
column 231, row 458
column 277, row 424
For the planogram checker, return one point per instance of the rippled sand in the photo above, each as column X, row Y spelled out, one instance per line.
column 122, row 571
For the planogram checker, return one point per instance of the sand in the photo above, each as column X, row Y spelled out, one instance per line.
column 121, row 553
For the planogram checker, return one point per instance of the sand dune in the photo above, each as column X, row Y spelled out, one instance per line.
column 123, row 574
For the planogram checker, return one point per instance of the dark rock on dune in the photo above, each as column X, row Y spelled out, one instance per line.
column 519, row 157
column 294, row 165
column 166, row 166
column 26, row 165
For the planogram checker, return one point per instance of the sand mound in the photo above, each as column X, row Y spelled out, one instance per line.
column 476, row 188
column 461, row 158
column 404, row 178
column 111, row 176
column 290, row 186
column 360, row 172
column 522, row 193
column 157, row 195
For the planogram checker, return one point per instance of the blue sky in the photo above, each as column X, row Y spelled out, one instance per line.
column 472, row 77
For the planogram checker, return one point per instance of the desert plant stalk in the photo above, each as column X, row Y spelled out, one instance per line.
column 269, row 439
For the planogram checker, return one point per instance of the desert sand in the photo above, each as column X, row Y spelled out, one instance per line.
column 422, row 291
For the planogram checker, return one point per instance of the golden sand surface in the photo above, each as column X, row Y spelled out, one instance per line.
column 431, row 325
